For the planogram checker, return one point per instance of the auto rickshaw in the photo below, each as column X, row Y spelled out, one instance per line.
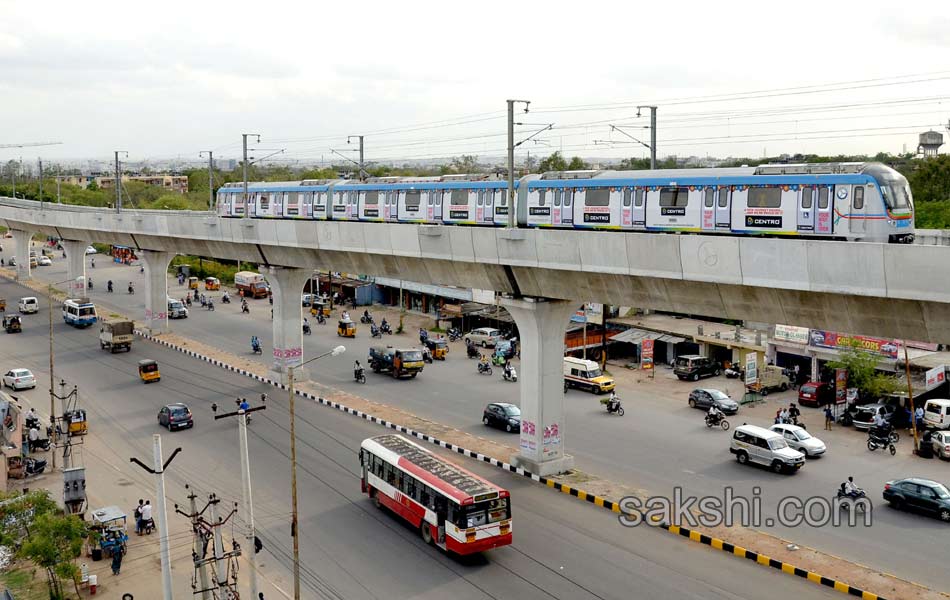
column 346, row 328
column 3, row 304
column 319, row 307
column 437, row 347
column 12, row 324
column 75, row 421
column 108, row 530
column 192, row 283
column 148, row 370
column 212, row 284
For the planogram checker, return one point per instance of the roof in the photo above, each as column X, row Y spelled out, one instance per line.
column 635, row 336
column 107, row 513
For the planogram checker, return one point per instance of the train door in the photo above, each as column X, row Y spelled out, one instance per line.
column 480, row 206
column 386, row 212
column 824, row 209
column 639, row 207
column 567, row 206
column 806, row 210
column 858, row 220
column 709, row 209
column 489, row 216
column 354, row 212
column 437, row 213
column 430, row 205
column 626, row 209
column 723, row 209
column 556, row 208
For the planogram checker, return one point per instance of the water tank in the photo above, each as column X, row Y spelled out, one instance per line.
column 929, row 143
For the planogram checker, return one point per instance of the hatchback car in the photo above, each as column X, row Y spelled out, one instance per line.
column 45, row 261
column 864, row 417
column 91, row 250
column 816, row 393
column 505, row 416
column 175, row 416
column 19, row 379
column 706, row 397
column 796, row 437
column 921, row 495
column 941, row 443
column 486, row 337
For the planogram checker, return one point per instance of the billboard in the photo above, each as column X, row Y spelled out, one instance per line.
column 751, row 368
column 840, row 341
column 936, row 376
column 789, row 333
column 646, row 358
column 841, row 386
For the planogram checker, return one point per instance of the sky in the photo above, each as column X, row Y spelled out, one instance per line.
column 430, row 79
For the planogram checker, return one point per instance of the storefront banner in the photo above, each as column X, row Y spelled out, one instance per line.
column 841, row 386
column 751, row 368
column 936, row 376
column 790, row 333
column 840, row 341
column 646, row 354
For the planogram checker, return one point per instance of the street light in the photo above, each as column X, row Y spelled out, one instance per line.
column 293, row 464
column 52, row 395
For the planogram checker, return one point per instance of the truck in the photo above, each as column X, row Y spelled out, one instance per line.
column 395, row 361
column 116, row 334
column 252, row 285
column 770, row 379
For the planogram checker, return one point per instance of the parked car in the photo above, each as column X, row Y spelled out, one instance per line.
column 799, row 439
column 816, row 393
column 306, row 299
column 921, row 495
column 91, row 250
column 19, row 379
column 486, row 337
column 937, row 413
column 754, row 444
column 500, row 414
column 693, row 366
column 175, row 416
column 45, row 261
column 706, row 397
column 864, row 417
column 941, row 443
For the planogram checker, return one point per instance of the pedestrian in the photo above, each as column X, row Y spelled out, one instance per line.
column 33, row 438
column 794, row 413
column 116, row 559
column 829, row 418
column 138, row 517
column 778, row 417
column 147, row 524
column 919, row 417
column 784, row 415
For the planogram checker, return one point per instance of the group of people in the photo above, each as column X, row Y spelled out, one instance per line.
column 788, row 415
column 143, row 517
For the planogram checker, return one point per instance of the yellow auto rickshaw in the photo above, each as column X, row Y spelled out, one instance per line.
column 12, row 324
column 212, row 284
column 192, row 283
column 346, row 328
column 319, row 307
column 3, row 304
column 437, row 347
column 148, row 371
column 75, row 421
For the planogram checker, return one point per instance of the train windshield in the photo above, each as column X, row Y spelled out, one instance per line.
column 897, row 195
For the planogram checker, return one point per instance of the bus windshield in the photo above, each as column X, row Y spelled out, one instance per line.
column 482, row 513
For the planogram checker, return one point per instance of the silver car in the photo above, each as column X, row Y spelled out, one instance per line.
column 796, row 437
column 486, row 337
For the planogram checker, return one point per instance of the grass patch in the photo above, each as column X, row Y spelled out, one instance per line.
column 25, row 583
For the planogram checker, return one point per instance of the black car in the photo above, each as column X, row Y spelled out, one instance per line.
column 175, row 416
column 922, row 495
column 704, row 398
column 693, row 367
column 500, row 414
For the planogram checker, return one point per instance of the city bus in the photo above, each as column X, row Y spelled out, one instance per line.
column 452, row 508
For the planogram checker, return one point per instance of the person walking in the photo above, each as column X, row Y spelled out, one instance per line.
column 919, row 417
column 829, row 418
column 117, row 559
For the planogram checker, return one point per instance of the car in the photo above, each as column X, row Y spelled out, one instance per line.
column 754, row 444
column 706, row 397
column 816, row 393
column 306, row 299
column 693, row 366
column 175, row 416
column 864, row 417
column 796, row 437
column 941, row 443
column 921, row 495
column 91, row 250
column 486, row 337
column 45, row 261
column 19, row 379
column 28, row 305
column 503, row 415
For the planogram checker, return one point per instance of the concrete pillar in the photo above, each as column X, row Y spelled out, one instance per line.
column 75, row 268
column 541, row 324
column 21, row 244
column 156, row 288
column 287, row 285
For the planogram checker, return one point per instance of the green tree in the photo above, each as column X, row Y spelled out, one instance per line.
column 577, row 164
column 863, row 373
column 467, row 163
column 17, row 513
column 93, row 186
column 54, row 542
column 930, row 180
column 555, row 162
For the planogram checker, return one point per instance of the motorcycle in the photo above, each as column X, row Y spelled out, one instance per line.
column 109, row 287
column 375, row 332
column 454, row 334
column 256, row 347
column 613, row 406
column 484, row 368
column 473, row 352
column 90, row 284
column 510, row 375
column 245, row 309
column 306, row 329
column 385, row 328
column 210, row 305
column 877, row 439
column 426, row 354
column 359, row 375
column 131, row 289
column 734, row 372
column 719, row 420
column 367, row 319
column 321, row 320
column 34, row 466
column 225, row 299
column 846, row 500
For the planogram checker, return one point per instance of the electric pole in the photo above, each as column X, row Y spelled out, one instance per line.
column 244, row 137
column 511, row 158
column 41, row 182
column 348, row 138
column 118, row 181
column 211, row 178
column 201, row 545
column 158, row 470
column 652, row 134
column 59, row 198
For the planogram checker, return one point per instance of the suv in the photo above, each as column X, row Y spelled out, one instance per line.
column 693, row 366
column 486, row 337
column 751, row 443
column 704, row 398
column 500, row 414
column 816, row 393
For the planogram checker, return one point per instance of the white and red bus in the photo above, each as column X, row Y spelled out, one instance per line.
column 453, row 509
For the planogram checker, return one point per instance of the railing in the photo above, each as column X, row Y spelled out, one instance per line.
column 35, row 205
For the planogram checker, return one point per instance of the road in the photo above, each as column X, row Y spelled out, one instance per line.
column 563, row 548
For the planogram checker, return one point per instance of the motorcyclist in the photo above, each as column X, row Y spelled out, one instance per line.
column 226, row 298
column 613, row 402
column 384, row 325
column 357, row 369
column 131, row 288
column 244, row 307
column 366, row 315
column 714, row 413
column 373, row 330
column 210, row 304
column 793, row 413
column 850, row 489
column 255, row 343
column 90, row 283
column 507, row 368
column 109, row 286
column 306, row 325
column 243, row 405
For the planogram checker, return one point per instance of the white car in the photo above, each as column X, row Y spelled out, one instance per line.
column 91, row 250
column 45, row 261
column 19, row 379
column 941, row 443
column 799, row 439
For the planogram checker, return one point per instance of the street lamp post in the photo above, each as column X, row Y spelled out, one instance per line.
column 293, row 464
column 52, row 378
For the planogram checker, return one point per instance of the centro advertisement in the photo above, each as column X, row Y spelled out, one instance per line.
column 841, row 341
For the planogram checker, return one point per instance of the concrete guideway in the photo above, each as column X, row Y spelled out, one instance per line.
column 818, row 284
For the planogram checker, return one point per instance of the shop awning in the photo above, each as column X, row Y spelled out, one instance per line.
column 635, row 336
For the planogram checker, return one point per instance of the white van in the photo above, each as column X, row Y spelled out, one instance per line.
column 751, row 443
column 28, row 305
column 937, row 413
column 586, row 375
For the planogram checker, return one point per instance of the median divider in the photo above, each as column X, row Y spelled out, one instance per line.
column 600, row 501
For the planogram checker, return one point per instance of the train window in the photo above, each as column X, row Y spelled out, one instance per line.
column 638, row 199
column 858, row 197
column 807, row 196
column 430, row 200
column 372, row 198
column 542, row 197
column 557, row 197
column 822, row 198
column 438, row 198
column 627, row 193
column 459, row 197
column 265, row 202
column 674, row 197
column 765, row 197
column 597, row 197
column 723, row 197
column 502, row 197
column 481, row 198
column 413, row 198
column 710, row 199
column 568, row 194
column 489, row 197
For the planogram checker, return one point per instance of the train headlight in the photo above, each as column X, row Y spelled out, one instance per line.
column 891, row 222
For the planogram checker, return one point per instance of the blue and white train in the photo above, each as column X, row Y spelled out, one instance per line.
column 843, row 201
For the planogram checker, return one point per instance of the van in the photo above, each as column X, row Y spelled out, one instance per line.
column 586, row 375
column 28, row 305
column 79, row 312
column 693, row 366
column 937, row 413
column 753, row 444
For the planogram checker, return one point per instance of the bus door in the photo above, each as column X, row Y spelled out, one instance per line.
column 824, row 211
column 639, row 207
column 489, row 216
column 626, row 209
column 441, row 511
column 858, row 220
column 556, row 209
column 709, row 208
column 806, row 210
column 437, row 212
column 723, row 209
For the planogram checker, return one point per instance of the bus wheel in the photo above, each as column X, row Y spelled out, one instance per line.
column 375, row 496
column 426, row 533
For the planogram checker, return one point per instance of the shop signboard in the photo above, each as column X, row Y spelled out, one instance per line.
column 840, row 341
column 751, row 368
column 936, row 376
column 646, row 354
column 841, row 386
column 790, row 333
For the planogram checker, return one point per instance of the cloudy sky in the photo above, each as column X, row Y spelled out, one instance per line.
column 430, row 79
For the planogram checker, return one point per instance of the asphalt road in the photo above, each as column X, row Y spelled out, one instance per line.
column 563, row 548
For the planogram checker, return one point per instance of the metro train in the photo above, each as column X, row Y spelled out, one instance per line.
column 841, row 201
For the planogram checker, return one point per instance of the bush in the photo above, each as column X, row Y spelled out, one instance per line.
column 202, row 268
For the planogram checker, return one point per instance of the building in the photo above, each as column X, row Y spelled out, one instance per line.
column 171, row 183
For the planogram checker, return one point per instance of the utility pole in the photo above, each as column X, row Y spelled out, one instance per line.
column 348, row 138
column 59, row 198
column 910, row 396
column 652, row 134
column 118, row 181
column 244, row 138
column 211, row 178
column 511, row 158
column 41, row 182
column 200, row 564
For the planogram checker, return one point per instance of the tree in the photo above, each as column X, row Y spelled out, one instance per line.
column 467, row 163
column 863, row 373
column 577, row 164
column 55, row 541
column 17, row 513
column 931, row 179
column 555, row 162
